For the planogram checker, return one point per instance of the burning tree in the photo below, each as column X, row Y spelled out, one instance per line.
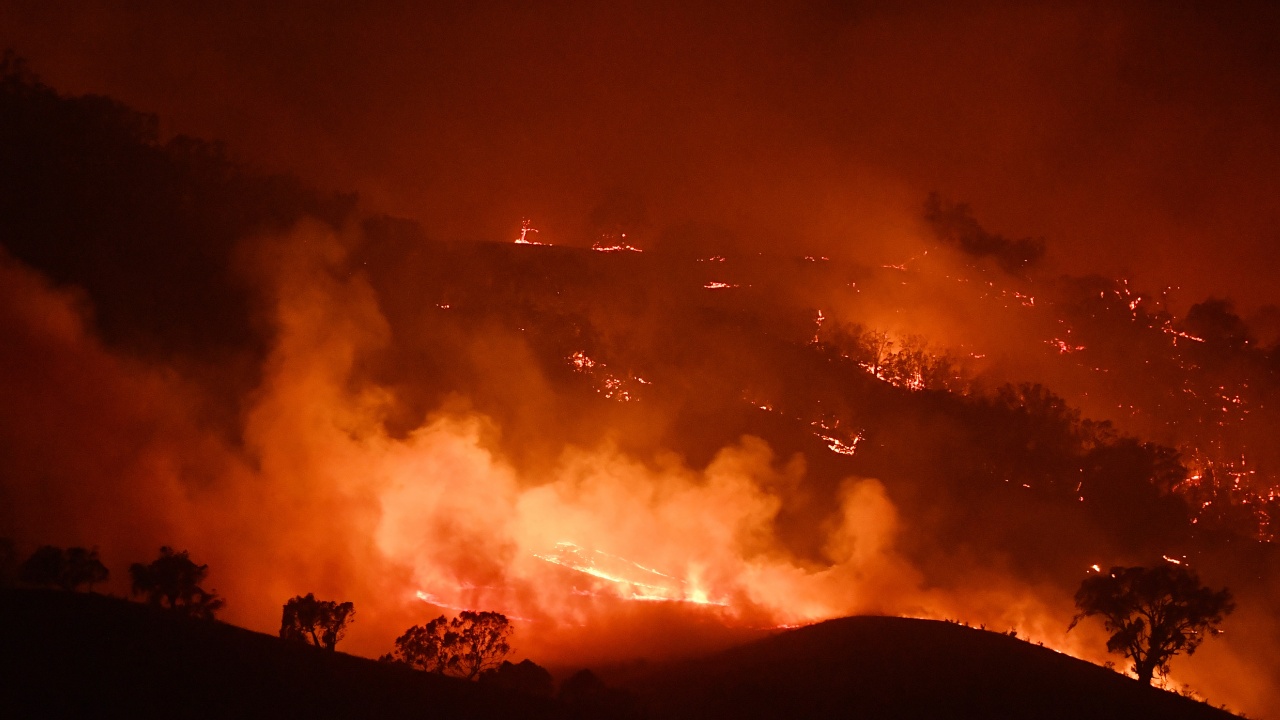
column 173, row 581
column 318, row 622
column 66, row 569
column 464, row 646
column 1152, row 613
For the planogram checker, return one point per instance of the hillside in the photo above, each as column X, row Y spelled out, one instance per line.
column 643, row 442
column 80, row 655
column 68, row 655
column 882, row 667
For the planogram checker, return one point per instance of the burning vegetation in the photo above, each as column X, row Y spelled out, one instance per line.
column 588, row 441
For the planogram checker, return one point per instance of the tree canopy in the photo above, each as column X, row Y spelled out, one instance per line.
column 1152, row 613
column 465, row 646
column 173, row 581
column 318, row 622
column 525, row 676
column 67, row 569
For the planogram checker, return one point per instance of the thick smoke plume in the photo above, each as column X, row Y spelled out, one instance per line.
column 319, row 498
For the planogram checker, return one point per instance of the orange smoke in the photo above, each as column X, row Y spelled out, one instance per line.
column 320, row 499
column 602, row 556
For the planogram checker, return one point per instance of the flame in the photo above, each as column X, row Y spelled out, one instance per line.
column 526, row 227
column 585, row 550
column 1064, row 347
column 630, row 580
column 608, row 384
column 608, row 245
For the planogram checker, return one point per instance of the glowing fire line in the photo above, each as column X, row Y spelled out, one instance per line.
column 571, row 556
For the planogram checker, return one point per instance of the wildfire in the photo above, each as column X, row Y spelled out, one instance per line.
column 609, row 385
column 719, row 285
column 1064, row 347
column 427, row 597
column 628, row 580
column 526, row 227
column 1169, row 330
column 1023, row 299
column 835, row 444
column 838, row 446
column 609, row 245
column 581, row 362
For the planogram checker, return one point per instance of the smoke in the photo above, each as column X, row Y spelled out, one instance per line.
column 408, row 447
column 1132, row 135
column 598, row 554
column 319, row 498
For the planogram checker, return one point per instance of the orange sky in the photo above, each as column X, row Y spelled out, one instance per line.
column 1138, row 138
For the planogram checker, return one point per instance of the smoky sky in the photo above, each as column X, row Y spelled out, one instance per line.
column 1137, row 138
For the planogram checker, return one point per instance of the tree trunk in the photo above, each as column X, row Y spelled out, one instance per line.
column 1146, row 670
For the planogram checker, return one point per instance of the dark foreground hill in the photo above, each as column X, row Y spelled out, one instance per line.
column 882, row 667
column 74, row 655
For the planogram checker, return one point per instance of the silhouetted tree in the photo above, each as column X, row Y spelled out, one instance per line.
column 586, row 696
column 1216, row 322
column 43, row 568
column 581, row 688
column 1130, row 488
column 319, row 622
column 429, row 647
column 82, row 567
column 525, row 676
column 464, row 646
column 173, row 581
column 67, row 569
column 1152, row 613
column 482, row 641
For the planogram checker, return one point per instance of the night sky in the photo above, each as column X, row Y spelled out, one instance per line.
column 1137, row 138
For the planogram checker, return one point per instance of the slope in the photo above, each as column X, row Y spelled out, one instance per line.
column 883, row 667
column 75, row 655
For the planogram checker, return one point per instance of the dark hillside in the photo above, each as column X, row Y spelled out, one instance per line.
column 74, row 655
column 880, row 667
